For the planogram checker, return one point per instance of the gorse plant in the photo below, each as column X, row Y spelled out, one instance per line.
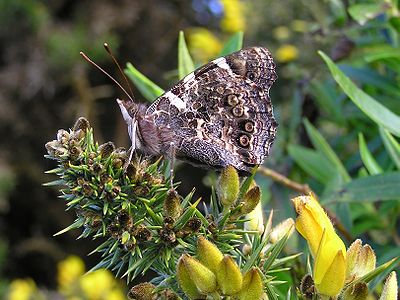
column 147, row 225
column 225, row 250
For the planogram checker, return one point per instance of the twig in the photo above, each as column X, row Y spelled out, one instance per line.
column 298, row 187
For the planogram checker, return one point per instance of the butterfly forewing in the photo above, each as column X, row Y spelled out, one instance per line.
column 221, row 114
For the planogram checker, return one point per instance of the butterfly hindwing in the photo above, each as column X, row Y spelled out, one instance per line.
column 221, row 114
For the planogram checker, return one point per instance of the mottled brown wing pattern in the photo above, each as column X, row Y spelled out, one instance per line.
column 221, row 114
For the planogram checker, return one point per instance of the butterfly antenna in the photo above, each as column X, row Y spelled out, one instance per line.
column 108, row 49
column 105, row 73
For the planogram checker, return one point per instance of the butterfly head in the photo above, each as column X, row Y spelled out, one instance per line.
column 131, row 112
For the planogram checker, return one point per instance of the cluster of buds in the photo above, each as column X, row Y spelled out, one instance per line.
column 336, row 272
column 216, row 275
column 131, row 204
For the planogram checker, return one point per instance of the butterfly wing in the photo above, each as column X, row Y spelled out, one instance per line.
column 221, row 114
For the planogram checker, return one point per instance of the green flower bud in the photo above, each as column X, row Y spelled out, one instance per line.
column 229, row 277
column 358, row 291
column 203, row 278
column 228, row 186
column 142, row 291
column 208, row 254
column 250, row 200
column 172, row 205
column 185, row 282
column 252, row 287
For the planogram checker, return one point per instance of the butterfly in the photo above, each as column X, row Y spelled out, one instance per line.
column 219, row 115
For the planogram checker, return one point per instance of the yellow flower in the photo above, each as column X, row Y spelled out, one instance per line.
column 327, row 248
column 203, row 44
column 99, row 285
column 69, row 270
column 234, row 16
column 287, row 53
column 21, row 289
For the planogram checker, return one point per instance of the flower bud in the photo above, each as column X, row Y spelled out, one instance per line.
column 172, row 205
column 280, row 230
column 81, row 124
column 326, row 247
column 330, row 266
column 142, row 291
column 106, row 149
column 256, row 219
column 208, row 254
column 63, row 136
column 186, row 283
column 250, row 200
column 252, row 287
column 360, row 260
column 358, row 291
column 307, row 287
column 201, row 276
column 390, row 288
column 228, row 186
column 229, row 277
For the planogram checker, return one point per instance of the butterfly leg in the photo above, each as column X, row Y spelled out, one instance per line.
column 171, row 158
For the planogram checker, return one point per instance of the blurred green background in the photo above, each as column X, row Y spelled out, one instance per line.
column 45, row 85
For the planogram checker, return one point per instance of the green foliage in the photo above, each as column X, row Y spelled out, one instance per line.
column 340, row 167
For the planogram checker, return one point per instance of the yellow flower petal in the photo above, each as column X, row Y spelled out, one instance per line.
column 311, row 221
column 327, row 248
column 69, row 270
column 333, row 279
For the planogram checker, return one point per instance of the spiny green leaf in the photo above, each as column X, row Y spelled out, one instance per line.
column 369, row 161
column 372, row 108
column 386, row 266
column 185, row 62
column 78, row 223
column 148, row 88
column 274, row 251
column 233, row 44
